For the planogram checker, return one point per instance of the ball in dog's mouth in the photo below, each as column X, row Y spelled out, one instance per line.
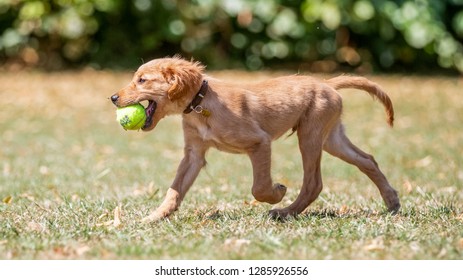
column 149, row 111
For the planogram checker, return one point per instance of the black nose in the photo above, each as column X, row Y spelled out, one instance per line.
column 114, row 98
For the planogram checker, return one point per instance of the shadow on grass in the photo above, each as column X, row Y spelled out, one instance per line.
column 341, row 213
column 407, row 211
column 321, row 214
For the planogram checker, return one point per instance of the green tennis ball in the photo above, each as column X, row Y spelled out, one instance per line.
column 132, row 117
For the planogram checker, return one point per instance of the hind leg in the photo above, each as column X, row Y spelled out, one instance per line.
column 310, row 145
column 340, row 146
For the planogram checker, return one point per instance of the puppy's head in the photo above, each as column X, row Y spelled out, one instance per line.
column 168, row 84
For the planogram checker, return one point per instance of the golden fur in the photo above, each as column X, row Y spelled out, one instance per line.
column 246, row 118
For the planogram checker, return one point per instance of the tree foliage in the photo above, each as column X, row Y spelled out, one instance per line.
column 322, row 35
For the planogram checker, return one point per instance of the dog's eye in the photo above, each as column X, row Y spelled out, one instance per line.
column 141, row 80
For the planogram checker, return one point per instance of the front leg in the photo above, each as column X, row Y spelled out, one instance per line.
column 187, row 172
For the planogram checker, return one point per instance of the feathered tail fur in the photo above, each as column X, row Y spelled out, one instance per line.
column 372, row 88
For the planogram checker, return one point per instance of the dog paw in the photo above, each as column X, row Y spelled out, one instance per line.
column 154, row 217
column 280, row 187
column 279, row 191
column 393, row 207
column 392, row 202
column 281, row 214
column 272, row 194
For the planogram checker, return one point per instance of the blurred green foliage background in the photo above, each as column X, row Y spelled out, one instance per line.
column 317, row 35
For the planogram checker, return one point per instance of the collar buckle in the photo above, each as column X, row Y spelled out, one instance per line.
column 200, row 110
column 194, row 105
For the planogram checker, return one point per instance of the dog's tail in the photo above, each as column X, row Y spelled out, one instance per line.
column 372, row 88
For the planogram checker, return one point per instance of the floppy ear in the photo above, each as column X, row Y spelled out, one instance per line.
column 177, row 88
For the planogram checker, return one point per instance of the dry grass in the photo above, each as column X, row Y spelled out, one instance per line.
column 74, row 184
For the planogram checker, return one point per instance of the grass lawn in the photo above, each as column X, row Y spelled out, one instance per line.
column 74, row 184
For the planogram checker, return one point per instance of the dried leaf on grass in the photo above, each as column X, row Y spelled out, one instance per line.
column 117, row 216
column 105, row 214
column 145, row 190
column 460, row 244
column 442, row 253
column 344, row 210
column 27, row 196
column 81, row 250
column 236, row 244
column 7, row 199
column 424, row 162
column 106, row 224
column 37, row 227
column 376, row 244
column 408, row 186
column 70, row 251
column 116, row 221
column 252, row 203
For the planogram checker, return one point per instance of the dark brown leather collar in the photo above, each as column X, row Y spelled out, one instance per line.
column 198, row 98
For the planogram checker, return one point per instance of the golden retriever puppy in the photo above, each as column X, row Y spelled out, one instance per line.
column 245, row 119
